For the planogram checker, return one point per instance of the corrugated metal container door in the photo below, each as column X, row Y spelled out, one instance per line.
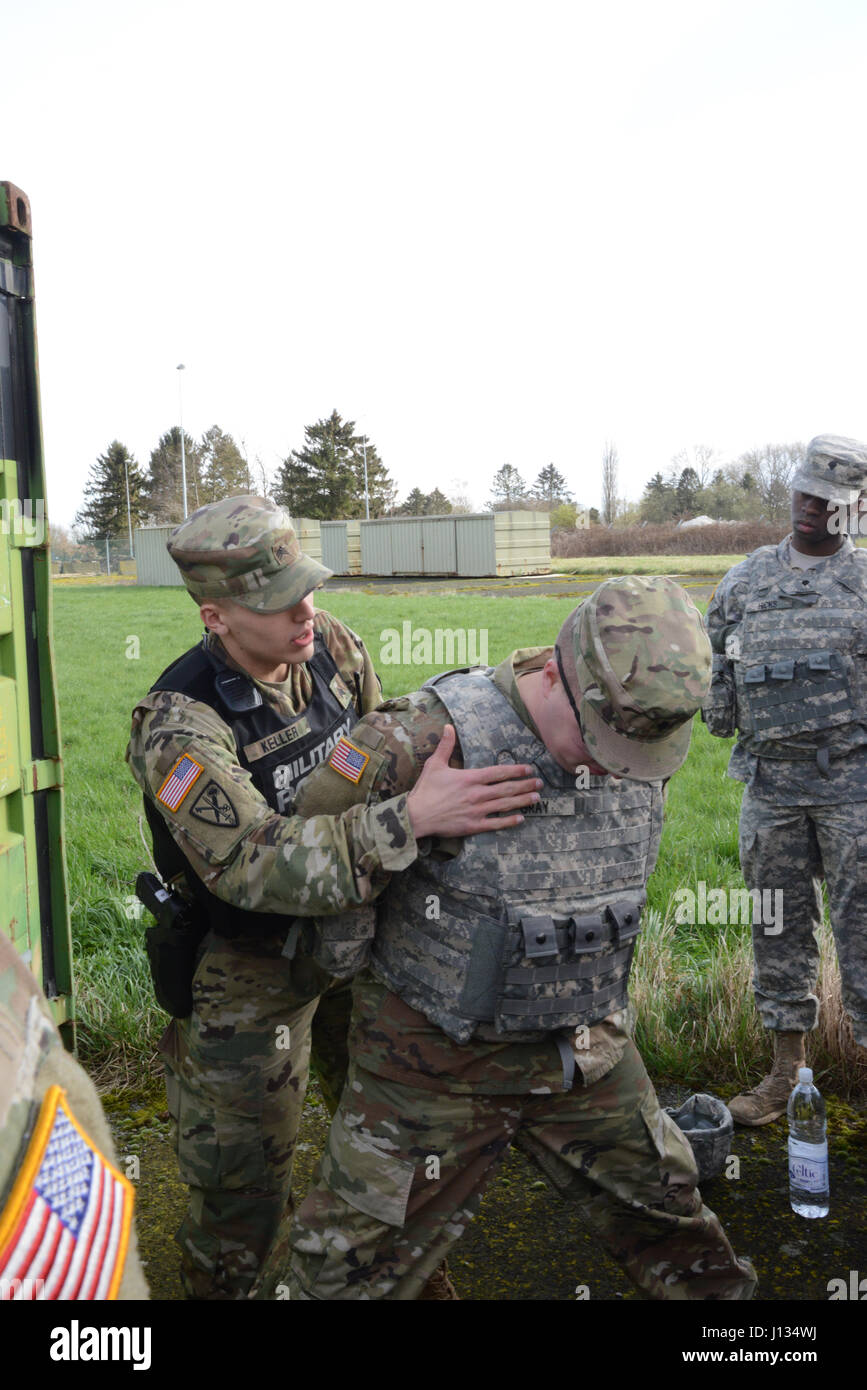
column 439, row 547
column 154, row 564
column 375, row 539
column 353, row 547
column 523, row 541
column 309, row 537
column 476, row 550
column 335, row 553
column 406, row 546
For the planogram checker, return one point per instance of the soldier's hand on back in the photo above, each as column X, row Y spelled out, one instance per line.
column 451, row 801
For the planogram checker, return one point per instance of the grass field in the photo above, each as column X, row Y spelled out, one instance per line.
column 690, row 984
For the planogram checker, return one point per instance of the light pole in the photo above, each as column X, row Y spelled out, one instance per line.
column 128, row 512
column 183, row 454
column 366, row 498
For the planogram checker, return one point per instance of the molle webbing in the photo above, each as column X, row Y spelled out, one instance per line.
column 530, row 929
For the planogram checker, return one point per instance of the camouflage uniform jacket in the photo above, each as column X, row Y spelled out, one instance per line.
column 387, row 1036
column 788, row 781
column 269, row 862
column 33, row 1064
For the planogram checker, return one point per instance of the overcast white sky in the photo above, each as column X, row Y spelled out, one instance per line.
column 487, row 231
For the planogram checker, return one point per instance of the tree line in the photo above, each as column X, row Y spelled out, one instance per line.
column 324, row 480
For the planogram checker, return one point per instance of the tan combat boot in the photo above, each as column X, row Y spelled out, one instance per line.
column 769, row 1099
column 439, row 1286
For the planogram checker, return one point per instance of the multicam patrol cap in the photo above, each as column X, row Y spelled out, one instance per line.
column 835, row 468
column 636, row 663
column 244, row 549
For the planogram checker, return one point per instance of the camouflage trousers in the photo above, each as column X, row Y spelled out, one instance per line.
column 236, row 1077
column 791, row 848
column 382, row 1214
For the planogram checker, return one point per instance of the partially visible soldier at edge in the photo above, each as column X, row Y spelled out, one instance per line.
column 66, row 1207
column 495, row 1004
column 788, row 626
column 219, row 746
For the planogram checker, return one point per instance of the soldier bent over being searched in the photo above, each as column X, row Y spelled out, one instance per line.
column 219, row 747
column 788, row 626
column 493, row 1006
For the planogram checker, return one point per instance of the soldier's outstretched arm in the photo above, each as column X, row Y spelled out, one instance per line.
column 413, row 750
column 251, row 856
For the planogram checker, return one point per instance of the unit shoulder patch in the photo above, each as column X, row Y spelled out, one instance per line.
column 349, row 760
column 180, row 780
column 65, row 1229
column 213, row 806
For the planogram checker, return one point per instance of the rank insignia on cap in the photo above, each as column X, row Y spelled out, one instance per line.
column 182, row 776
column 348, row 760
column 65, row 1229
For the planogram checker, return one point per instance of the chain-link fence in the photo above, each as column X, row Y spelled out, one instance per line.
column 98, row 555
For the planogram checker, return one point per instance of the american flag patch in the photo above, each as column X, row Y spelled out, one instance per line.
column 65, row 1229
column 179, row 781
column 348, row 760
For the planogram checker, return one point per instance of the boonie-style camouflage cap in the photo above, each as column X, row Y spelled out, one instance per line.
column 245, row 549
column 636, row 662
column 835, row 468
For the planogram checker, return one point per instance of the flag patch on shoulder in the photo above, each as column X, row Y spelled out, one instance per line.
column 182, row 776
column 65, row 1230
column 348, row 760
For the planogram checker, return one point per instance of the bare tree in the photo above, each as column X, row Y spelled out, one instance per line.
column 701, row 459
column 773, row 468
column 609, row 482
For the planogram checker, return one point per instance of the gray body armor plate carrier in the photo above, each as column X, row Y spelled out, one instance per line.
column 796, row 679
column 528, row 930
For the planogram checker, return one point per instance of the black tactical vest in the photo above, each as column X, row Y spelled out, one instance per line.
column 277, row 752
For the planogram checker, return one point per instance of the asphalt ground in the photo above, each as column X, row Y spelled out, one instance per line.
column 539, row 585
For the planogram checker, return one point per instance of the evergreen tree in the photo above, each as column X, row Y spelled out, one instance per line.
column 658, row 503
column 224, row 468
column 437, row 503
column 325, row 479
column 550, row 487
column 104, row 512
column 508, row 487
column 687, row 490
column 163, row 492
column 420, row 503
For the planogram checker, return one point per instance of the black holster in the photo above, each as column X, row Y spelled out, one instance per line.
column 171, row 945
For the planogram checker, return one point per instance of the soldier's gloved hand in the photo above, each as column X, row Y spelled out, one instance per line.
column 452, row 801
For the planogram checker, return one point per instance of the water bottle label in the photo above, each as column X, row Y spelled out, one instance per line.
column 808, row 1165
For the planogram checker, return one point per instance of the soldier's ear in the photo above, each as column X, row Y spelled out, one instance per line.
column 550, row 675
column 212, row 616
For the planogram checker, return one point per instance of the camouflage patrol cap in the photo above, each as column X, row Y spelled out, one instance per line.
column 244, row 549
column 636, row 662
column 835, row 468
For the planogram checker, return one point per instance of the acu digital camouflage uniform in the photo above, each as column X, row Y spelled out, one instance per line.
column 236, row 1069
column 424, row 1119
column 789, row 636
column 32, row 1062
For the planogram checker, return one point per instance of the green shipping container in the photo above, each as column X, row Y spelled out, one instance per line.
column 34, row 906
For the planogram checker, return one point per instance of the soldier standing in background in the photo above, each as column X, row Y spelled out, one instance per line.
column 219, row 746
column 495, row 1003
column 788, row 627
column 66, row 1210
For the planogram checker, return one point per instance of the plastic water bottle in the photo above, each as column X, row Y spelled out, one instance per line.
column 808, row 1149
